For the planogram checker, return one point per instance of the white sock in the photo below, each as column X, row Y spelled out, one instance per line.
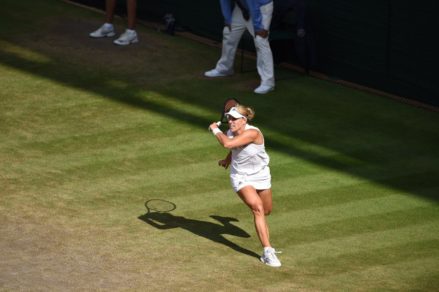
column 131, row 30
column 268, row 249
column 108, row 25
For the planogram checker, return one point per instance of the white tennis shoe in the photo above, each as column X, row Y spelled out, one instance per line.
column 106, row 30
column 263, row 89
column 215, row 73
column 269, row 257
column 128, row 37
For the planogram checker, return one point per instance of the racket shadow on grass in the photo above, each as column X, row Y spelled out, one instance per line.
column 165, row 220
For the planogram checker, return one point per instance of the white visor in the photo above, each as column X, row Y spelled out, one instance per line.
column 233, row 112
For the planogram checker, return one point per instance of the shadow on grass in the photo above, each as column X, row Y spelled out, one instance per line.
column 206, row 229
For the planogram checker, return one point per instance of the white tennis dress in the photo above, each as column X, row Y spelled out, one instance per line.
column 249, row 165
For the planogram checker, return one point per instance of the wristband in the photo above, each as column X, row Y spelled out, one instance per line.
column 216, row 131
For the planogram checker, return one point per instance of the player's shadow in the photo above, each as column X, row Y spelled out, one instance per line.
column 212, row 231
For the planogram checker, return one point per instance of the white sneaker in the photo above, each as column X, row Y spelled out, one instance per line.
column 106, row 30
column 263, row 89
column 215, row 73
column 269, row 258
column 128, row 37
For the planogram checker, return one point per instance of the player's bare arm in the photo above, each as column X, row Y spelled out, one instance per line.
column 246, row 137
column 226, row 161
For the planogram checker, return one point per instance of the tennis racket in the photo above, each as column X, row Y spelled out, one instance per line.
column 159, row 206
column 228, row 104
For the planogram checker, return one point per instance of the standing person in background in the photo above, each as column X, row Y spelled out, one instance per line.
column 255, row 16
column 249, row 172
column 107, row 29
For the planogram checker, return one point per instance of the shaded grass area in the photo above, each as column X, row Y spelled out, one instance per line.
column 90, row 131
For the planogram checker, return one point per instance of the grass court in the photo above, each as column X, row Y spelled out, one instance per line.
column 90, row 131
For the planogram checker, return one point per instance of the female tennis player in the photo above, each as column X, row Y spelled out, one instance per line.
column 249, row 172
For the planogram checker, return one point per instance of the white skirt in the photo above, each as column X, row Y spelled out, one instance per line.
column 260, row 180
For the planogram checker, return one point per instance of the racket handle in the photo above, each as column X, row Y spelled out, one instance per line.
column 217, row 123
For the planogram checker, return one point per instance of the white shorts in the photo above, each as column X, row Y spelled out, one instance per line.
column 260, row 180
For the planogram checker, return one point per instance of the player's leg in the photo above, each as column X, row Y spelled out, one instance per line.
column 251, row 198
column 267, row 200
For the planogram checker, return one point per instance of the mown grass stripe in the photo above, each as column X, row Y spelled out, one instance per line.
column 358, row 225
column 308, row 217
column 121, row 181
column 313, row 252
column 98, row 165
column 408, row 275
column 292, row 183
column 133, row 137
column 28, row 160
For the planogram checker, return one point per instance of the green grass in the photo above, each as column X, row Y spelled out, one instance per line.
column 90, row 131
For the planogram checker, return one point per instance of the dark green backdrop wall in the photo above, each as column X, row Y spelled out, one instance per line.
column 390, row 45
column 386, row 44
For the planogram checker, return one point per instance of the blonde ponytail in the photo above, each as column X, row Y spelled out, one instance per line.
column 246, row 111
